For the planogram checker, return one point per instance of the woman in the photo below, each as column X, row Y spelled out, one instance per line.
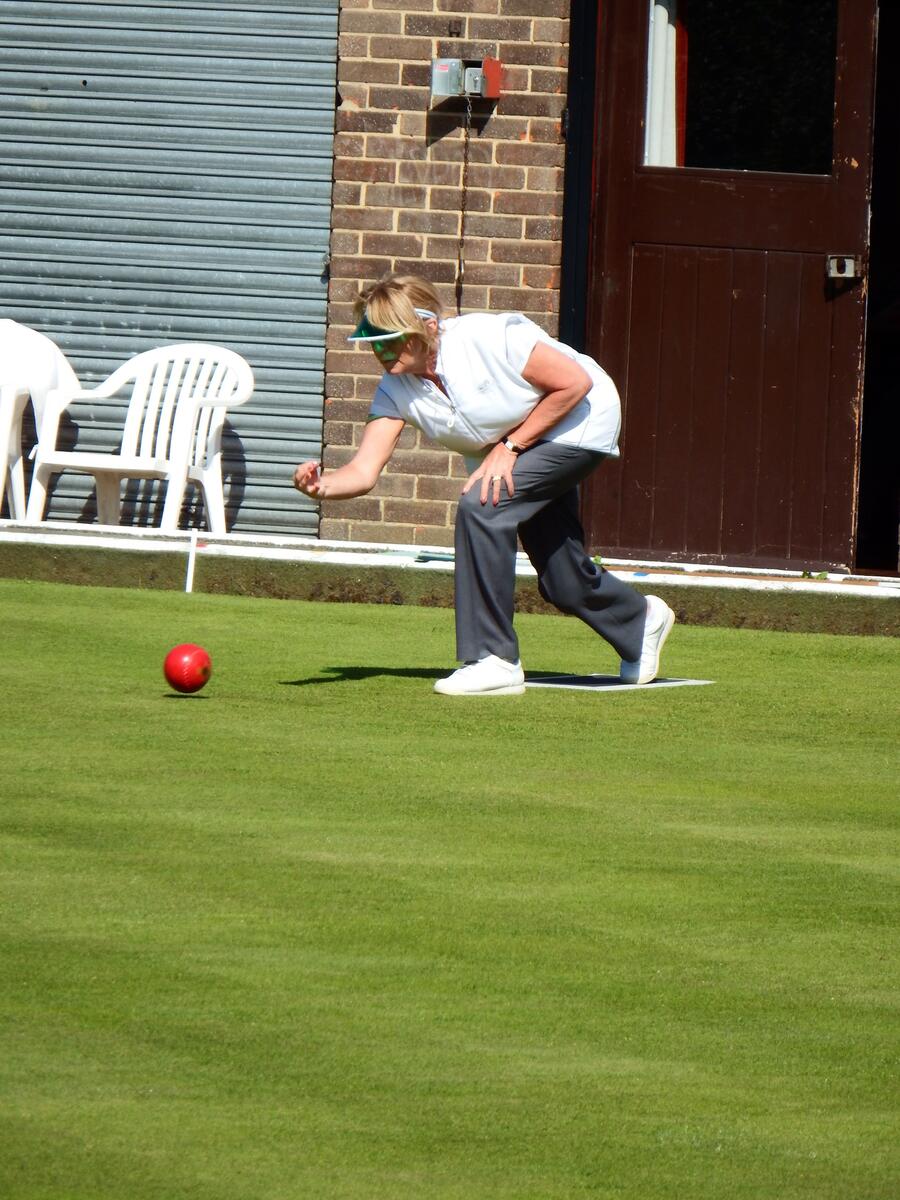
column 532, row 418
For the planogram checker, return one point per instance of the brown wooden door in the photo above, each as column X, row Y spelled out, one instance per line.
column 738, row 358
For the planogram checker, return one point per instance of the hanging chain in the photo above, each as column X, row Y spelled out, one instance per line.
column 460, row 260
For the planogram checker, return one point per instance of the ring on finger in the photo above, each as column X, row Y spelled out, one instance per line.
column 496, row 479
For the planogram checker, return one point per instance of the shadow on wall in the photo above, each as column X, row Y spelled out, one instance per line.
column 445, row 118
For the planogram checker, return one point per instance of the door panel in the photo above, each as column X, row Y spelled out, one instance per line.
column 706, row 472
column 739, row 362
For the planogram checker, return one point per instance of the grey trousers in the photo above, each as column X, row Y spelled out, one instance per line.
column 543, row 513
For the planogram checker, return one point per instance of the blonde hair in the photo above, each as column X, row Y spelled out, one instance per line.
column 391, row 303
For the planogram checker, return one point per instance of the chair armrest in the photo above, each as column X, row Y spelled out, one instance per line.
column 56, row 402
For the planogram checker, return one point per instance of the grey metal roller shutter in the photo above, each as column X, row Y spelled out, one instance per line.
column 165, row 175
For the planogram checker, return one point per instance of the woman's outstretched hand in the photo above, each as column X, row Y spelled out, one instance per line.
column 496, row 469
column 308, row 479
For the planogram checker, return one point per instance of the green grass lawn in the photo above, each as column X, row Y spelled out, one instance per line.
column 319, row 933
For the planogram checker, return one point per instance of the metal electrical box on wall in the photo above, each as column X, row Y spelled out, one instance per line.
column 456, row 77
column 446, row 77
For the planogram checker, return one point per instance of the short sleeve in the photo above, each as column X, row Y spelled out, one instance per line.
column 522, row 335
column 383, row 406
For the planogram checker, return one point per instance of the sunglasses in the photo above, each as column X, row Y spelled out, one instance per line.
column 388, row 351
column 387, row 343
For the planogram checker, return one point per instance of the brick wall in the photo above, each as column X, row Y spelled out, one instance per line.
column 397, row 205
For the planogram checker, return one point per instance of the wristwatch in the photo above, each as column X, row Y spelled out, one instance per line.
column 511, row 446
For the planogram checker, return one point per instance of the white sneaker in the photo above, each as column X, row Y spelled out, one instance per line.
column 491, row 676
column 657, row 627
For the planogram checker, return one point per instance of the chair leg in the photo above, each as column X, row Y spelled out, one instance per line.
column 109, row 490
column 175, row 486
column 37, row 497
column 213, row 500
column 12, row 475
column 5, row 472
column 16, row 489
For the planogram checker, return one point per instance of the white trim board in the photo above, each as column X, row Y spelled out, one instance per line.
column 418, row 558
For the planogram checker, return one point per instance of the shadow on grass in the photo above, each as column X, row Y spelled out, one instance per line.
column 534, row 678
column 354, row 674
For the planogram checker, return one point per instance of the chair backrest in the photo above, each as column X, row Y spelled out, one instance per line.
column 175, row 390
column 30, row 361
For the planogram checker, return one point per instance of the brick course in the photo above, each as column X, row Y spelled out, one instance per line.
column 397, row 205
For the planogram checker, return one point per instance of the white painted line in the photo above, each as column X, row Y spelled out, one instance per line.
column 606, row 683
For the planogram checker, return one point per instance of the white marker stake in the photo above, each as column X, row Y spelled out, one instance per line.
column 192, row 558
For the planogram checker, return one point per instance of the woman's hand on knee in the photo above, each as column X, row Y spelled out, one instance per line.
column 495, row 470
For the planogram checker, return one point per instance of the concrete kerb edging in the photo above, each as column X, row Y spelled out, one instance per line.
column 306, row 568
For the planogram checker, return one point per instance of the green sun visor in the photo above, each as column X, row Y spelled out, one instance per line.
column 367, row 332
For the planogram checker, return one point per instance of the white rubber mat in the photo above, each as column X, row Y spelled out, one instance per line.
column 605, row 683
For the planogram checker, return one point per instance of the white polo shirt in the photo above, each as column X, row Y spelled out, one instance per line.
column 480, row 361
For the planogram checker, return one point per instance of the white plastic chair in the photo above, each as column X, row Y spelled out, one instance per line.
column 172, row 432
column 31, row 366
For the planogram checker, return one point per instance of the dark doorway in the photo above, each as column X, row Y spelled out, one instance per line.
column 726, row 277
column 879, row 485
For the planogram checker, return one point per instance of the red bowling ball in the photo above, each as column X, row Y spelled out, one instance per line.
column 187, row 668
